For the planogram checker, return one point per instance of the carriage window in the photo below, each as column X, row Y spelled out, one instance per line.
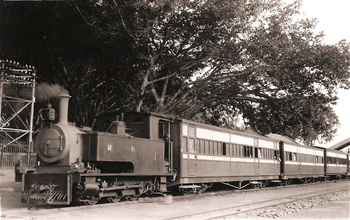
column 276, row 154
column 219, row 144
column 215, row 148
column 191, row 145
column 258, row 152
column 220, row 148
column 289, row 156
column 202, row 147
column 191, row 131
column 241, row 150
column 184, row 143
column 207, row 147
column 224, row 149
column 264, row 153
column 294, row 157
column 197, row 147
column 163, row 128
column 248, row 151
column 271, row 154
column 211, row 150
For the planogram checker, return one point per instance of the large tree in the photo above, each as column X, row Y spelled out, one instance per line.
column 252, row 58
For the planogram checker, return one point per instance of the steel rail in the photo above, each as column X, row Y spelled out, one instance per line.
column 233, row 211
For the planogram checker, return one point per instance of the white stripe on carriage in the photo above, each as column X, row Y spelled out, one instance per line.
column 303, row 163
column 251, row 160
column 237, row 139
column 207, row 157
column 246, row 160
column 336, row 165
column 208, row 134
column 268, row 161
column 232, row 159
column 213, row 135
column 333, row 154
column 302, row 150
column 319, row 153
column 266, row 144
column 291, row 148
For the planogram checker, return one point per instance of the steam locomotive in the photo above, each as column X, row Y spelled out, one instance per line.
column 136, row 154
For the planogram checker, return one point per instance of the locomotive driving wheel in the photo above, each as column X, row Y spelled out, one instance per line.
column 133, row 197
column 114, row 199
column 92, row 200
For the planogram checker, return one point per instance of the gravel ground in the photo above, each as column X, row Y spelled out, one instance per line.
column 300, row 206
column 339, row 209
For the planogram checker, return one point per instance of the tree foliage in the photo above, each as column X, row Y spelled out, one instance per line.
column 253, row 58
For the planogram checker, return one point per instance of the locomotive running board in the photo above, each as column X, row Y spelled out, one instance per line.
column 189, row 186
column 123, row 174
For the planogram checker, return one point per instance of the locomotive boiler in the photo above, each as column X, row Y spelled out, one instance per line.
column 78, row 164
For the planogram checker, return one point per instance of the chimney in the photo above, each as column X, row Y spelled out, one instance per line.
column 63, row 111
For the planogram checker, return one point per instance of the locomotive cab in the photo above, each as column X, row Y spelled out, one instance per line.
column 147, row 134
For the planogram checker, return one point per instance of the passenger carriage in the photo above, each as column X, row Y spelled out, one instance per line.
column 214, row 154
column 336, row 164
column 301, row 162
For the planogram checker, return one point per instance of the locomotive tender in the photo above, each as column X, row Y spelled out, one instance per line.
column 148, row 153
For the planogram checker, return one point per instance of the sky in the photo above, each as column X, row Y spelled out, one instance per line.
column 333, row 18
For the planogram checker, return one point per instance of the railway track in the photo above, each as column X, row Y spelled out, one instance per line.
column 159, row 208
column 244, row 209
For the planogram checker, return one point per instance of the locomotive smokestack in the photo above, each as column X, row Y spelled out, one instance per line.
column 63, row 111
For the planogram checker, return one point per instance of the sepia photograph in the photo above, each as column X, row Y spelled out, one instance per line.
column 174, row 109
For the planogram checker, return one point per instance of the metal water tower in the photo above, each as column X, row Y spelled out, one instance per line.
column 17, row 97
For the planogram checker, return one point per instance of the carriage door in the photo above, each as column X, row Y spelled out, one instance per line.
column 191, row 149
column 164, row 134
column 257, row 155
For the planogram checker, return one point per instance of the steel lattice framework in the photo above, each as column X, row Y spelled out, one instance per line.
column 17, row 97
